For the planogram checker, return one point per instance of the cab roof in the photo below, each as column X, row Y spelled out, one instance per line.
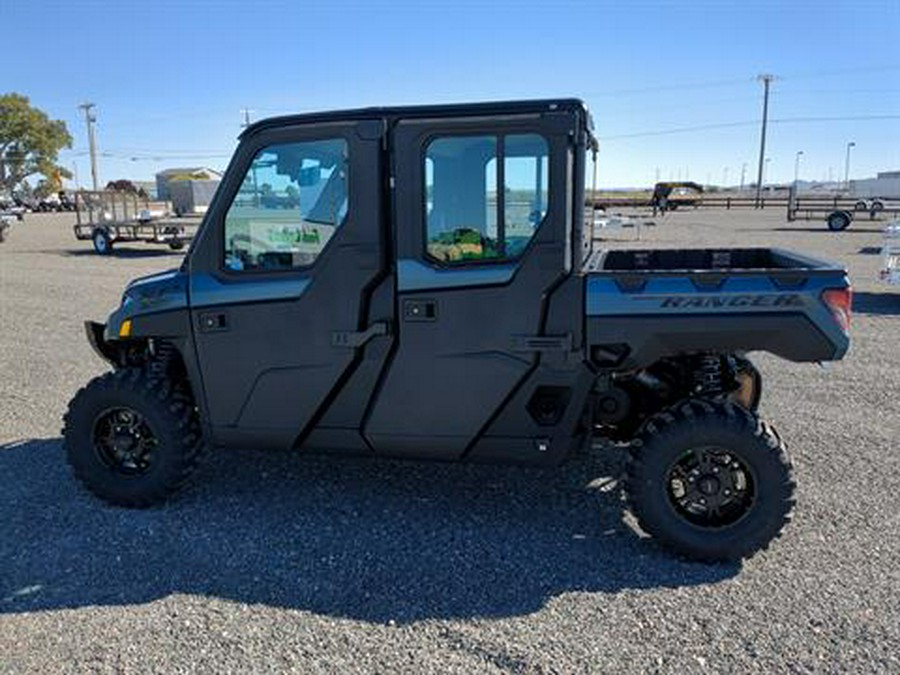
column 394, row 113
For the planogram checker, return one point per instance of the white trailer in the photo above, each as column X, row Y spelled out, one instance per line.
column 873, row 193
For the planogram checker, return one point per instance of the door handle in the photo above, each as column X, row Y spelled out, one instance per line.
column 354, row 339
column 213, row 322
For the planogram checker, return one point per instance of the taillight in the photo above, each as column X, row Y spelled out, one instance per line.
column 840, row 302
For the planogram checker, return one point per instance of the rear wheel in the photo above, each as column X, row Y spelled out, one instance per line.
column 839, row 220
column 711, row 481
column 861, row 206
column 131, row 439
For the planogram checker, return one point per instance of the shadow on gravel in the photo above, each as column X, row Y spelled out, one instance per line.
column 118, row 252
column 870, row 250
column 373, row 540
column 884, row 304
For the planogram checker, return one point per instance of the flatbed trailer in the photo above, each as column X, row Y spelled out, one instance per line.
column 109, row 217
column 840, row 212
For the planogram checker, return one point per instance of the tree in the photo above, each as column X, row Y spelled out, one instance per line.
column 125, row 185
column 29, row 142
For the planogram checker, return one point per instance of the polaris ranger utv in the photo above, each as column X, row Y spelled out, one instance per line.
column 420, row 282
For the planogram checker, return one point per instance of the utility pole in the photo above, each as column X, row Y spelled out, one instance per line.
column 246, row 112
column 743, row 174
column 89, row 119
column 797, row 167
column 851, row 144
column 724, row 176
column 766, row 80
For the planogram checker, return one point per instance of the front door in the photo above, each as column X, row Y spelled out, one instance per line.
column 281, row 275
column 482, row 213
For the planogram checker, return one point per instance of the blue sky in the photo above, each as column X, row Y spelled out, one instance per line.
column 170, row 78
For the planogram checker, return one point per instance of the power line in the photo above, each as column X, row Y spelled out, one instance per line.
column 747, row 123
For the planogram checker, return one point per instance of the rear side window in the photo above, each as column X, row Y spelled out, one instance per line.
column 467, row 219
column 292, row 200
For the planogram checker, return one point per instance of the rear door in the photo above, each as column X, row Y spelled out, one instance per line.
column 281, row 276
column 482, row 211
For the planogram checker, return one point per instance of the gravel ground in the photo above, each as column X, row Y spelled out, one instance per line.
column 279, row 562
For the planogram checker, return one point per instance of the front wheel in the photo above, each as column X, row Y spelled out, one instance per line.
column 132, row 439
column 711, row 481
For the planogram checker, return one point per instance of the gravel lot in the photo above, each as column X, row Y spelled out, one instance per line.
column 278, row 562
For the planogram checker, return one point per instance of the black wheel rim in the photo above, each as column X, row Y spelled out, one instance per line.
column 711, row 487
column 124, row 441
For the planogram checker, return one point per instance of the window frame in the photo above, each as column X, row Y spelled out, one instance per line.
column 254, row 152
column 500, row 138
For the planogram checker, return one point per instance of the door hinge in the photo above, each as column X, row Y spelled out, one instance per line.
column 354, row 339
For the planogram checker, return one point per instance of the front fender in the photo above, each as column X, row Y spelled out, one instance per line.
column 95, row 336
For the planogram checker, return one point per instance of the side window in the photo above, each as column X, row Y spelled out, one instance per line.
column 291, row 202
column 466, row 217
column 526, row 186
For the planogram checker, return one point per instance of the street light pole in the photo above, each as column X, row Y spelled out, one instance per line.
column 797, row 167
column 851, row 144
column 90, row 118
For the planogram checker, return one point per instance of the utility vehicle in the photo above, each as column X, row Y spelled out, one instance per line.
column 420, row 282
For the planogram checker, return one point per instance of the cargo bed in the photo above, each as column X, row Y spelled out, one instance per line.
column 643, row 305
